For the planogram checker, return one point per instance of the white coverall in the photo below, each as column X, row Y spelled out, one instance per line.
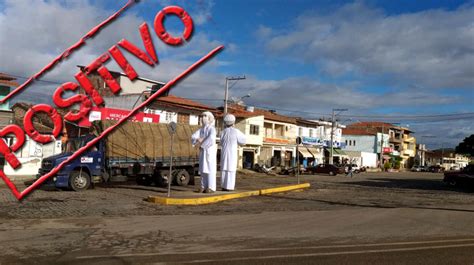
column 207, row 155
column 230, row 139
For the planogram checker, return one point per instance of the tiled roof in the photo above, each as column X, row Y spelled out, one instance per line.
column 4, row 76
column 268, row 114
column 181, row 102
column 378, row 125
column 242, row 113
column 357, row 131
column 8, row 80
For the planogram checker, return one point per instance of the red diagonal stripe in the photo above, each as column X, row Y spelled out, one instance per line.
column 67, row 52
column 124, row 119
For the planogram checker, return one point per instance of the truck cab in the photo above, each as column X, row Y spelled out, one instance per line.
column 80, row 173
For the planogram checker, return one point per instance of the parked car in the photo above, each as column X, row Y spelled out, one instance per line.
column 355, row 168
column 417, row 169
column 455, row 168
column 327, row 169
column 436, row 169
column 292, row 171
column 460, row 178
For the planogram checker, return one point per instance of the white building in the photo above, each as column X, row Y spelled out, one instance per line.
column 31, row 155
column 366, row 145
column 312, row 148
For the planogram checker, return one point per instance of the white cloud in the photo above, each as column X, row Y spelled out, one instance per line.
column 432, row 48
column 38, row 31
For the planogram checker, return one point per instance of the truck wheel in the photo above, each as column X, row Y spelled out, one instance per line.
column 452, row 183
column 162, row 179
column 79, row 180
column 182, row 177
column 144, row 180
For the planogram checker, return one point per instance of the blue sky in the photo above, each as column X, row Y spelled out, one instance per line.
column 377, row 58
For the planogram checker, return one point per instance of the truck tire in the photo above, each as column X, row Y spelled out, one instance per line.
column 182, row 177
column 161, row 179
column 144, row 180
column 79, row 180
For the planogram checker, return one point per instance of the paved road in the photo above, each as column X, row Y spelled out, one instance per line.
column 409, row 218
column 335, row 237
column 441, row 251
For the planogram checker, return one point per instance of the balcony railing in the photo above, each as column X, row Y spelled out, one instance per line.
column 395, row 140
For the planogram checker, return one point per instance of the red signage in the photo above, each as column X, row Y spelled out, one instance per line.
column 276, row 140
column 387, row 150
column 100, row 114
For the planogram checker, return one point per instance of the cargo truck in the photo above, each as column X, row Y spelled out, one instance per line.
column 134, row 150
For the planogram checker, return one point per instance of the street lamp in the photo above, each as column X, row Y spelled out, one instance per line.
column 239, row 100
column 332, row 132
column 227, row 79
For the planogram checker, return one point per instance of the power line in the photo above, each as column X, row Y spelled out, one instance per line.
column 39, row 80
column 411, row 118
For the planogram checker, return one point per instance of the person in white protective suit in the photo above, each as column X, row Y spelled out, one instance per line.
column 205, row 138
column 230, row 138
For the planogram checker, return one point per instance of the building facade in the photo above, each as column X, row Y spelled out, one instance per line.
column 401, row 144
column 311, row 150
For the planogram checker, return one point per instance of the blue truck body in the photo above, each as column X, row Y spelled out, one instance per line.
column 98, row 164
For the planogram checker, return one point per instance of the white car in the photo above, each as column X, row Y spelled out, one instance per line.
column 455, row 168
column 355, row 168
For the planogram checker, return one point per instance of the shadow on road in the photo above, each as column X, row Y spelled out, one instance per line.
column 370, row 205
column 417, row 184
column 145, row 188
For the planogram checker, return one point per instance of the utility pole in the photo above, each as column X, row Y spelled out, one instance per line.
column 381, row 147
column 332, row 133
column 226, row 95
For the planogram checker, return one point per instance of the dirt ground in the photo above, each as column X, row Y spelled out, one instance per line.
column 380, row 190
column 112, row 224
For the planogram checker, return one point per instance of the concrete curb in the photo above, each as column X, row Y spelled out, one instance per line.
column 218, row 198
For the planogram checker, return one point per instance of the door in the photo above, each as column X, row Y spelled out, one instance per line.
column 248, row 158
column 276, row 159
column 288, row 158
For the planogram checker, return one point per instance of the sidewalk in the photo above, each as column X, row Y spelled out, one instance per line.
column 193, row 198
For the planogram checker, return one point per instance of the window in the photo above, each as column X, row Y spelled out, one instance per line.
column 311, row 133
column 300, row 131
column 254, row 129
column 354, row 142
column 346, row 142
column 169, row 116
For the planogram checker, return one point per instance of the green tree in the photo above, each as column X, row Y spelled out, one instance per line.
column 466, row 146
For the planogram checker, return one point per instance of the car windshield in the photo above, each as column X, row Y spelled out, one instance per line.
column 73, row 144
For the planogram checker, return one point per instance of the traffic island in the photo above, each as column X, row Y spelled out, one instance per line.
column 208, row 199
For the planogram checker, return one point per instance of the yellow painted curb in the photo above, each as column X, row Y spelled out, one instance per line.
column 224, row 197
column 285, row 188
column 203, row 200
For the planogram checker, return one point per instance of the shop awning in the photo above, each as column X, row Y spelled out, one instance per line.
column 338, row 152
column 304, row 152
column 316, row 152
